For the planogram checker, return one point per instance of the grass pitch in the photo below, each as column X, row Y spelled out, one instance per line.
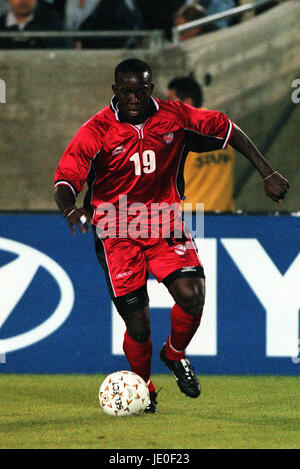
column 42, row 411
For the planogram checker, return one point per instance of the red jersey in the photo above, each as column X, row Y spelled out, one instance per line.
column 142, row 162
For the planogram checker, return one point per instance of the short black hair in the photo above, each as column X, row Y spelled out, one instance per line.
column 132, row 65
column 187, row 87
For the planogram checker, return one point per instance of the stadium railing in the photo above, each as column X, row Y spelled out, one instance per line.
column 231, row 13
column 154, row 43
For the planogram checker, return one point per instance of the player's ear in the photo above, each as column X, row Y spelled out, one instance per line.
column 114, row 88
column 152, row 88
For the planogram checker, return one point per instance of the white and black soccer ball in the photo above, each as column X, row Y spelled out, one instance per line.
column 124, row 393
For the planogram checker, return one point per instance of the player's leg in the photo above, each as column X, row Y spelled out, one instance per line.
column 189, row 296
column 137, row 346
column 176, row 264
column 126, row 277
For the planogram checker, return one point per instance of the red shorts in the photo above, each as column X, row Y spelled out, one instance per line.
column 128, row 262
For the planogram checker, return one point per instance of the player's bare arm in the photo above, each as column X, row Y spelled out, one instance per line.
column 65, row 201
column 275, row 185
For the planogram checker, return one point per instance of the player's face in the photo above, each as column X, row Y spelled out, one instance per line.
column 133, row 91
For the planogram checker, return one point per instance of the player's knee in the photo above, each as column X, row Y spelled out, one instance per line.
column 138, row 324
column 139, row 334
column 191, row 299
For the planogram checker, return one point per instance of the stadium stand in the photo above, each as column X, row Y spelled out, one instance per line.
column 255, row 62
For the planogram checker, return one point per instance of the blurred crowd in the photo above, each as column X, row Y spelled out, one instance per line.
column 106, row 15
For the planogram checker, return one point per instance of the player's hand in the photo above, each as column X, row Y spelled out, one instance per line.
column 276, row 186
column 79, row 217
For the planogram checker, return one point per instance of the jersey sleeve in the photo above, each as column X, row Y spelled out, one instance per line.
column 75, row 163
column 205, row 130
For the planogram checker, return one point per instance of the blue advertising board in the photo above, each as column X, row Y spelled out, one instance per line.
column 56, row 315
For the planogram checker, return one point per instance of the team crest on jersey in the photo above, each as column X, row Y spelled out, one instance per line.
column 168, row 138
column 118, row 150
column 180, row 249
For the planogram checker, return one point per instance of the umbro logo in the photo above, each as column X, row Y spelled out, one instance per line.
column 118, row 150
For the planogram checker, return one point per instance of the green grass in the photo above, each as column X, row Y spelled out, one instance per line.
column 41, row 411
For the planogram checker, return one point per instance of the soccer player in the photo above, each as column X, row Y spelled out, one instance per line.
column 134, row 150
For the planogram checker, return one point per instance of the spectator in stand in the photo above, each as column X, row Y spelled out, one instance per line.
column 3, row 7
column 59, row 7
column 158, row 14
column 30, row 15
column 216, row 6
column 112, row 15
column 208, row 176
column 77, row 11
column 189, row 13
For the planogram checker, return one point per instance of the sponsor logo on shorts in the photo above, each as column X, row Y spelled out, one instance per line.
column 180, row 249
column 124, row 274
column 168, row 138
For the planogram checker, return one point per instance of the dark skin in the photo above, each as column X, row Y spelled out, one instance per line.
column 133, row 91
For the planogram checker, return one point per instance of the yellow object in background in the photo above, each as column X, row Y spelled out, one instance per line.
column 209, row 179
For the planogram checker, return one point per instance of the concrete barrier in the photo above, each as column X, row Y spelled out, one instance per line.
column 49, row 94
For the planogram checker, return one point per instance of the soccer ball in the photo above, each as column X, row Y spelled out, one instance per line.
column 124, row 393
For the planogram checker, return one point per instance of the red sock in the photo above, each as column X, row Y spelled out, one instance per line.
column 183, row 328
column 139, row 358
